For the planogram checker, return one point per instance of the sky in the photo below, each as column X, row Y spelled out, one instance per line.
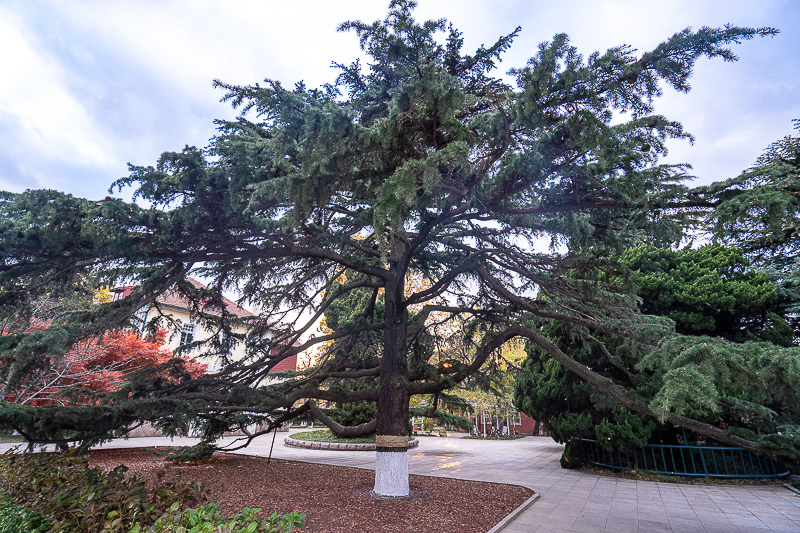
column 87, row 87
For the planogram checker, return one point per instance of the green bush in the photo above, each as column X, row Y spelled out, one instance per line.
column 574, row 453
column 64, row 490
column 326, row 435
column 61, row 493
column 199, row 453
column 209, row 519
column 355, row 413
column 14, row 519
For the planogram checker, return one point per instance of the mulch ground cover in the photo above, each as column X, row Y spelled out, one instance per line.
column 335, row 499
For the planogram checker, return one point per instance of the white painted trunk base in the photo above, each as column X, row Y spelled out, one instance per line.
column 391, row 473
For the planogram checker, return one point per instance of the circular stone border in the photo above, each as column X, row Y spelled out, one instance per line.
column 342, row 446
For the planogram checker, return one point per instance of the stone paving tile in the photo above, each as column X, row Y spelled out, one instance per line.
column 748, row 523
column 682, row 517
column 719, row 520
column 622, row 524
column 686, row 528
column 648, row 525
column 721, row 528
column 784, row 526
column 549, row 528
column 590, row 521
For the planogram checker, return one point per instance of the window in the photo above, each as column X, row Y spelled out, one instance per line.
column 140, row 318
column 227, row 343
column 187, row 333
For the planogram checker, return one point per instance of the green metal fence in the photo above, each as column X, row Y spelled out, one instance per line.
column 707, row 461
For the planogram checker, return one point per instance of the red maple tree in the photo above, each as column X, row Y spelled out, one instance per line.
column 98, row 364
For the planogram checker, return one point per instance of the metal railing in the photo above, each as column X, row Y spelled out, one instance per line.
column 706, row 461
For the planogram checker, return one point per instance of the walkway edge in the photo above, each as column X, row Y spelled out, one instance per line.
column 502, row 524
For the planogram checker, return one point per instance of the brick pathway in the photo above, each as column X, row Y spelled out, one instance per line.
column 570, row 501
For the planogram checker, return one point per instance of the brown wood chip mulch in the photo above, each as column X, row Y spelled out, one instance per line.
column 335, row 499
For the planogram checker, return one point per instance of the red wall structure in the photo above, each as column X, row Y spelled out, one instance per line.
column 290, row 363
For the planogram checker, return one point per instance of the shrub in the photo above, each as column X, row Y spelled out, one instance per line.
column 326, row 435
column 64, row 490
column 209, row 519
column 197, row 454
column 14, row 518
column 355, row 413
column 574, row 453
column 61, row 493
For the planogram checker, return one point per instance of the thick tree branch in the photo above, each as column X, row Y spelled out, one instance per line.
column 614, row 391
column 367, row 428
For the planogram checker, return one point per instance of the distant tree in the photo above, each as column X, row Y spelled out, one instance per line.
column 422, row 162
column 759, row 212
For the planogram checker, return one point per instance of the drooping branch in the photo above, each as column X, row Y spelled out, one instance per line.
column 617, row 365
column 537, row 310
column 614, row 391
column 274, row 425
column 367, row 428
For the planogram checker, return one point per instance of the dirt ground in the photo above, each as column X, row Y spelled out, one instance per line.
column 335, row 499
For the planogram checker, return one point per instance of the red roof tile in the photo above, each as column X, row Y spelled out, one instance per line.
column 173, row 299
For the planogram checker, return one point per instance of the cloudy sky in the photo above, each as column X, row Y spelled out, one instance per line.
column 88, row 86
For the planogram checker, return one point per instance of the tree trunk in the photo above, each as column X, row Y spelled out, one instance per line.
column 391, row 444
column 536, row 427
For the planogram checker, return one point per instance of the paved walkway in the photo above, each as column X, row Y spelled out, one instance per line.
column 570, row 501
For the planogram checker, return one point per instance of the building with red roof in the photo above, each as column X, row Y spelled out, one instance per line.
column 180, row 319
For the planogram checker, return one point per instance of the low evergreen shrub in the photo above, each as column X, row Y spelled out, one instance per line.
column 209, row 519
column 63, row 489
column 197, row 454
column 326, row 435
column 61, row 493
column 14, row 519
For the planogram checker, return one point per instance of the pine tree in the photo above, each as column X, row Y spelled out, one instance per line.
column 724, row 356
column 758, row 211
column 418, row 161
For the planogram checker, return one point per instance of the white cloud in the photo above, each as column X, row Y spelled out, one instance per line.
column 91, row 85
column 48, row 122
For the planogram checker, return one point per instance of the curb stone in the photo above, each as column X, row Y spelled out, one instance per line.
column 312, row 445
column 505, row 522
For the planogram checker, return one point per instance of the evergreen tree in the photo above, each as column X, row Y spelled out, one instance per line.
column 709, row 290
column 758, row 211
column 711, row 293
column 422, row 161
